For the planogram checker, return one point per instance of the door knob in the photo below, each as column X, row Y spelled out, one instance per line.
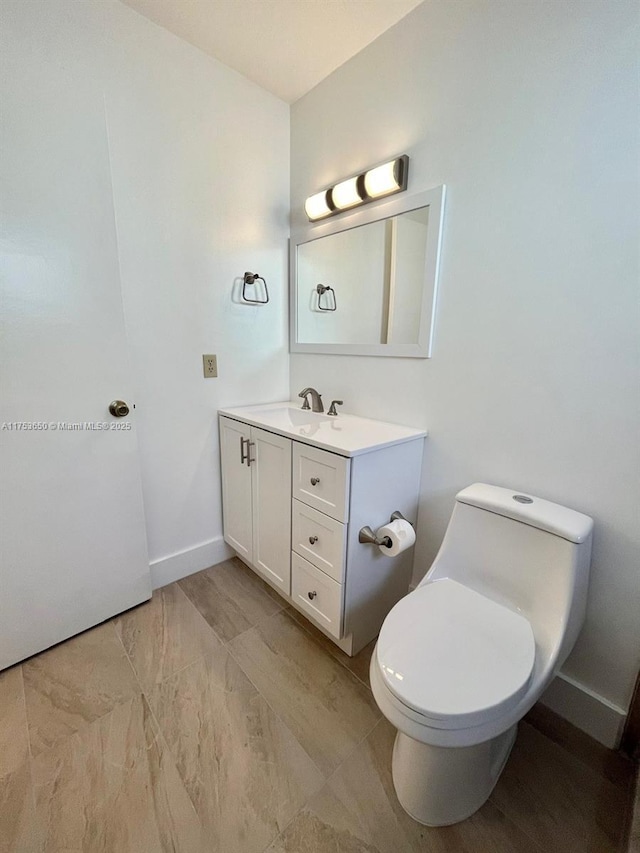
column 119, row 409
column 312, row 595
column 313, row 540
column 315, row 481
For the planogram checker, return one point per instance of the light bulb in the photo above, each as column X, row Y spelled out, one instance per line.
column 316, row 206
column 382, row 180
column 345, row 194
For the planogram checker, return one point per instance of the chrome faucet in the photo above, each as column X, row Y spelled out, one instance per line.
column 316, row 400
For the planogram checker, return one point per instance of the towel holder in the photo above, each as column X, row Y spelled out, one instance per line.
column 322, row 289
column 251, row 278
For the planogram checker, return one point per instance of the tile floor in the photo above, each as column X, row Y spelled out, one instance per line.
column 214, row 718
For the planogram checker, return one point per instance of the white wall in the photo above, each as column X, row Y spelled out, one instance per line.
column 528, row 113
column 200, row 160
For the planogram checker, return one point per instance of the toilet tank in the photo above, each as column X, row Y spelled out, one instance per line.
column 524, row 552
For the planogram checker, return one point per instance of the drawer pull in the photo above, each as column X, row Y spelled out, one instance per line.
column 315, row 481
column 312, row 595
column 313, row 540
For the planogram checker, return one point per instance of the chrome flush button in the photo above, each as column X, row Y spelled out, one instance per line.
column 523, row 499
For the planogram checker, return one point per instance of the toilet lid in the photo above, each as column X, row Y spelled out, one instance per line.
column 455, row 656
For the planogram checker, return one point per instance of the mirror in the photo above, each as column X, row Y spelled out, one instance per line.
column 366, row 284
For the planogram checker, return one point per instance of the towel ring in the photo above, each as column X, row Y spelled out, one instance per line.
column 322, row 289
column 251, row 278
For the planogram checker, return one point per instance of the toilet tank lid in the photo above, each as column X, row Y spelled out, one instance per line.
column 536, row 512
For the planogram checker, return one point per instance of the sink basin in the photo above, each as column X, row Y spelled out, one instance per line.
column 296, row 416
column 345, row 434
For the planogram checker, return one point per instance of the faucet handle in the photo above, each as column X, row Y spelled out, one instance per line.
column 332, row 407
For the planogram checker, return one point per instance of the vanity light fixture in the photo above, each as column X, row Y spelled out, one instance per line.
column 369, row 186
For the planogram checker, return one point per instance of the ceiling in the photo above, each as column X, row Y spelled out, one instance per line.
column 285, row 46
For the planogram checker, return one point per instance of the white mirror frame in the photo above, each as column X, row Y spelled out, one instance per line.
column 434, row 200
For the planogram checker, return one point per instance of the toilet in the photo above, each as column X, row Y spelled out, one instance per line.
column 461, row 659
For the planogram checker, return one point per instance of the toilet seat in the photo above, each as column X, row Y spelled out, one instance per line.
column 454, row 656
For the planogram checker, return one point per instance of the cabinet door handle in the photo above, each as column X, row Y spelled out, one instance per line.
column 315, row 481
column 246, row 457
column 312, row 595
column 313, row 540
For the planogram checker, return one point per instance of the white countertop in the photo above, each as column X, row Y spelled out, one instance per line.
column 345, row 434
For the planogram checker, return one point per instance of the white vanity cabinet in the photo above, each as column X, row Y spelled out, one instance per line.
column 256, row 498
column 297, row 488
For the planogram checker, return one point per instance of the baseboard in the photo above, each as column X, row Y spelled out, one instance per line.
column 176, row 566
column 588, row 711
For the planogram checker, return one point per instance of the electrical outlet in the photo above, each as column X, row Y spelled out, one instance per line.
column 210, row 366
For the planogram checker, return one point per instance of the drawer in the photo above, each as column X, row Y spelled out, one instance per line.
column 320, row 539
column 321, row 480
column 316, row 594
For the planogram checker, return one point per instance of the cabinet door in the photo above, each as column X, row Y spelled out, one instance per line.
column 236, row 487
column 271, row 480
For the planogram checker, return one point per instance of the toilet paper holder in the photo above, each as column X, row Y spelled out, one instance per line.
column 366, row 534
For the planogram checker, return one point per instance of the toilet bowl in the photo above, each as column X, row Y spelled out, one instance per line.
column 463, row 657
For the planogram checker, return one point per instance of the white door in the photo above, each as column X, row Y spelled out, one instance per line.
column 72, row 542
column 236, row 486
column 271, row 481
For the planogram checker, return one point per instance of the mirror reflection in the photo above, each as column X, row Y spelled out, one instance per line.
column 364, row 285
